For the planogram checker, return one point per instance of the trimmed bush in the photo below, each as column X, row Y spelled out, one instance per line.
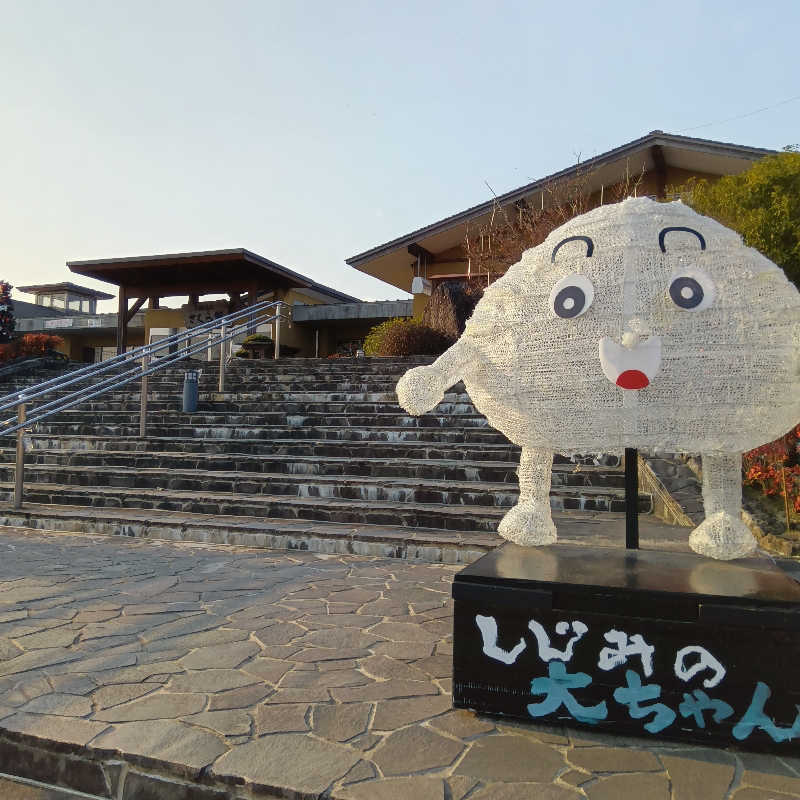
column 374, row 339
column 410, row 338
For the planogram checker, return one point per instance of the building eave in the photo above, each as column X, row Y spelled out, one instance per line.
column 655, row 138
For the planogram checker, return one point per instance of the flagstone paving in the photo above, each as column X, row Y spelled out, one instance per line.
column 133, row 668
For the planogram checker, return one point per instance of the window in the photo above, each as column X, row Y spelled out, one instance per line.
column 58, row 301
column 44, row 299
column 74, row 304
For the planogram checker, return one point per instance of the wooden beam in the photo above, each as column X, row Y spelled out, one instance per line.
column 660, row 169
column 131, row 311
column 122, row 321
column 418, row 251
column 154, row 301
column 222, row 286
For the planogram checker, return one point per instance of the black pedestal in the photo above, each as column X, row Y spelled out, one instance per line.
column 637, row 642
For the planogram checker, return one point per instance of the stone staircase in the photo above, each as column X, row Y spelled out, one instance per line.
column 299, row 453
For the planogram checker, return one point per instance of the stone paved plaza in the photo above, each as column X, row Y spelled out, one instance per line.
column 140, row 669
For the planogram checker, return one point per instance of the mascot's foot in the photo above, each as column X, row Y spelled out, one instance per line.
column 420, row 389
column 528, row 524
column 722, row 536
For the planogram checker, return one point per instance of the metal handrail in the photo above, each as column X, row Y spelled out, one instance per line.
column 229, row 326
column 14, row 398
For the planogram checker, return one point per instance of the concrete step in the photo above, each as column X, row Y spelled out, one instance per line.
column 131, row 400
column 430, row 434
column 310, row 447
column 274, row 404
column 392, row 512
column 277, row 446
column 432, row 545
column 564, row 474
column 381, row 420
column 392, row 489
column 208, row 383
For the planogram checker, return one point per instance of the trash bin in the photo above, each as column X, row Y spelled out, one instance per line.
column 190, row 391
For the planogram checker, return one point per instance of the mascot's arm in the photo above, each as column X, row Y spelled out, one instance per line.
column 422, row 388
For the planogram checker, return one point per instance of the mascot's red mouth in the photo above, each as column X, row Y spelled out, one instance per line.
column 632, row 379
column 631, row 368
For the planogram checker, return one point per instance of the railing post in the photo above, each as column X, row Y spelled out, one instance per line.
column 143, row 400
column 210, row 355
column 278, row 334
column 19, row 474
column 222, row 359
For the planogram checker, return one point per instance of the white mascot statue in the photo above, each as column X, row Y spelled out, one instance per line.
column 639, row 324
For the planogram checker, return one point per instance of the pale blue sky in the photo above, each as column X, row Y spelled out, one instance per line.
column 311, row 131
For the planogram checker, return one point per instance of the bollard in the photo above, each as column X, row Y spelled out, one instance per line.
column 19, row 473
column 143, row 400
column 190, row 392
column 223, row 331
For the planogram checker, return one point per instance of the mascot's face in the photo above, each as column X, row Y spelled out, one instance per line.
column 639, row 324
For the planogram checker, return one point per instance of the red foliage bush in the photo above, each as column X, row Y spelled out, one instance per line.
column 776, row 463
column 31, row 344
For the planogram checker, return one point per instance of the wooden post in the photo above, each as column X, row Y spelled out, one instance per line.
column 19, row 473
column 122, row 321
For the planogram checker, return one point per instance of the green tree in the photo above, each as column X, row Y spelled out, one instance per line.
column 762, row 204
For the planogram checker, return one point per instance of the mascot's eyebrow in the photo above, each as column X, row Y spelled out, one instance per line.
column 665, row 231
column 589, row 246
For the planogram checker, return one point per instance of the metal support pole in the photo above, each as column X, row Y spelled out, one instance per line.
column 278, row 334
column 143, row 400
column 631, row 498
column 19, row 474
column 210, row 355
column 222, row 359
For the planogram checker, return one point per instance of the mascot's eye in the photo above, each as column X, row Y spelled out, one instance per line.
column 571, row 296
column 692, row 290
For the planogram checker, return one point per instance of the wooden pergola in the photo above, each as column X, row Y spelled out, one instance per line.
column 240, row 274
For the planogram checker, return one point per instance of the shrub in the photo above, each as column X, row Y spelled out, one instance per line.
column 374, row 339
column 775, row 465
column 762, row 204
column 37, row 344
column 410, row 338
column 451, row 305
column 29, row 345
column 257, row 338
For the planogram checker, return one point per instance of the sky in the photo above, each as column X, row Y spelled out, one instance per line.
column 309, row 131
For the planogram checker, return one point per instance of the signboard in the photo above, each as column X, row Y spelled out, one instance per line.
column 58, row 323
column 621, row 656
column 204, row 312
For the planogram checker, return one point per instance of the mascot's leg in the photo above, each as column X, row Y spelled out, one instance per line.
column 530, row 522
column 723, row 534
